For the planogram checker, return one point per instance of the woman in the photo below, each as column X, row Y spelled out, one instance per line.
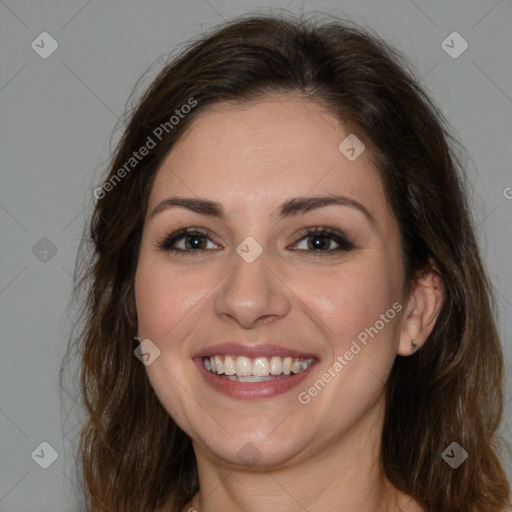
column 284, row 233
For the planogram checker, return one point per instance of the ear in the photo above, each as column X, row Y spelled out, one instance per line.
column 423, row 305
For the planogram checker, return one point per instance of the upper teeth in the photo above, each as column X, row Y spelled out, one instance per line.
column 259, row 367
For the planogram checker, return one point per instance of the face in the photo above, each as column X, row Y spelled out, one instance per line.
column 298, row 299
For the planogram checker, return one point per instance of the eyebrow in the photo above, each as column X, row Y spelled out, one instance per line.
column 291, row 207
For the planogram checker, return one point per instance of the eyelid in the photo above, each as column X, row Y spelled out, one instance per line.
column 343, row 241
column 182, row 233
column 338, row 237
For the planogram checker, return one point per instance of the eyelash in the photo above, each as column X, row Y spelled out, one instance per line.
column 323, row 232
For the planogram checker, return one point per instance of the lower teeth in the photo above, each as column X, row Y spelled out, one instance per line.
column 253, row 378
column 250, row 379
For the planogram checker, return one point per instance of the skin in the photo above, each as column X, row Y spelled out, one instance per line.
column 251, row 158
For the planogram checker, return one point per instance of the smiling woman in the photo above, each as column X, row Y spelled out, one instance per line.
column 297, row 258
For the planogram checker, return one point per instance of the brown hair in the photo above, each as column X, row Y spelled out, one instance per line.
column 133, row 455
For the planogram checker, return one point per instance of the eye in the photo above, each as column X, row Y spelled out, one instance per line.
column 319, row 240
column 195, row 240
column 187, row 240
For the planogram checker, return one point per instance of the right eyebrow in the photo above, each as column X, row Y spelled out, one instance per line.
column 290, row 207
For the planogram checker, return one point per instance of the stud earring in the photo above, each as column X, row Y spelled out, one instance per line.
column 414, row 345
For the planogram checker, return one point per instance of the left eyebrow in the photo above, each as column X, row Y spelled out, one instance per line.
column 306, row 204
column 291, row 207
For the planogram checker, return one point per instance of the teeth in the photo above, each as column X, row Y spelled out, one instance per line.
column 250, row 379
column 287, row 365
column 229, row 366
column 296, row 367
column 219, row 364
column 276, row 366
column 260, row 367
column 244, row 369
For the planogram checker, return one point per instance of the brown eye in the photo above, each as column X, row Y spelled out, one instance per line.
column 186, row 240
column 320, row 240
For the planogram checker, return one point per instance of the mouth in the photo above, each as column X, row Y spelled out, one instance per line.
column 258, row 369
column 253, row 372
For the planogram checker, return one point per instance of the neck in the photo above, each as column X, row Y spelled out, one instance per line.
column 345, row 475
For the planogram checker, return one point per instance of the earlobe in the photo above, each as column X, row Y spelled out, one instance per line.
column 422, row 310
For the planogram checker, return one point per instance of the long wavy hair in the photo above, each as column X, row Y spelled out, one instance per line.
column 132, row 457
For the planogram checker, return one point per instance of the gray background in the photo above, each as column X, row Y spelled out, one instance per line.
column 57, row 118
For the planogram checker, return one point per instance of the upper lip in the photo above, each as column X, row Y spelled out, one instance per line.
column 252, row 351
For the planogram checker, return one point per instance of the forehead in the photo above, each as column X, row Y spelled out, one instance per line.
column 252, row 156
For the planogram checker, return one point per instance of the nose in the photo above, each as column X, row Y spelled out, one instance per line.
column 252, row 293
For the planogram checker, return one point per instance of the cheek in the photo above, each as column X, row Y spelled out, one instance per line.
column 165, row 299
column 350, row 300
column 164, row 296
column 351, row 306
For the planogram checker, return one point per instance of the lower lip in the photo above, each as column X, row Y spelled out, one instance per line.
column 251, row 390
